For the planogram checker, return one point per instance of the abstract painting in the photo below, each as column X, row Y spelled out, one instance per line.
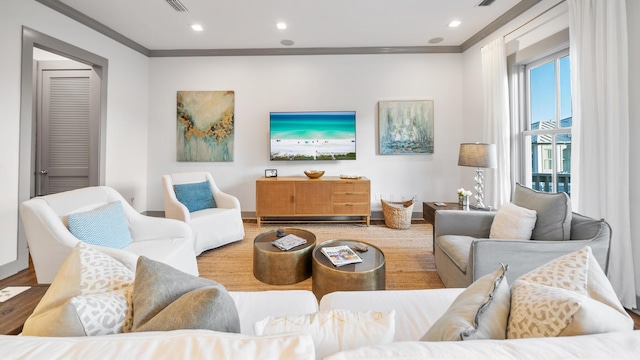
column 406, row 127
column 205, row 125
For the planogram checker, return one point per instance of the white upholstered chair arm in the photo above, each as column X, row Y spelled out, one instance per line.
column 173, row 209
column 147, row 228
column 226, row 201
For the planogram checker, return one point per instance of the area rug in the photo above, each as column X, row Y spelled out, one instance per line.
column 408, row 256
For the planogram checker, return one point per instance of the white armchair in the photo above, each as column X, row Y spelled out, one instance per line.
column 212, row 227
column 45, row 222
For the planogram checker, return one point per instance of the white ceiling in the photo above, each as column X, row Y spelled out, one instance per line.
column 251, row 24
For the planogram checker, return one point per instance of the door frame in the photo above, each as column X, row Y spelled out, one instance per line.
column 26, row 168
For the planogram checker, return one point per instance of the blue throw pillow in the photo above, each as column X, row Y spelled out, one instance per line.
column 104, row 226
column 195, row 196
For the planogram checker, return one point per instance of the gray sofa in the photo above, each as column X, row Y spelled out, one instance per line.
column 464, row 252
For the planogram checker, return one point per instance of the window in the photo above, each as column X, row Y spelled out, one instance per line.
column 546, row 134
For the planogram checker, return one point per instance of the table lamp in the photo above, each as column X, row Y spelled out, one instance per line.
column 479, row 156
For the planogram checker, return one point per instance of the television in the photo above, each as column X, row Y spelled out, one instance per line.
column 312, row 135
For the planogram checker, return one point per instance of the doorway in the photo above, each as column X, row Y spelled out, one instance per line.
column 67, row 122
column 26, row 178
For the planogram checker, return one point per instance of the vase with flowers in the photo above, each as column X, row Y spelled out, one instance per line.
column 463, row 197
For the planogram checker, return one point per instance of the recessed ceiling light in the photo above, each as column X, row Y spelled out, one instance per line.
column 287, row 42
column 281, row 26
column 197, row 27
column 435, row 40
column 454, row 23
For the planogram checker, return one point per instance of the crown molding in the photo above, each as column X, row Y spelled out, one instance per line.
column 72, row 13
column 307, row 51
column 496, row 24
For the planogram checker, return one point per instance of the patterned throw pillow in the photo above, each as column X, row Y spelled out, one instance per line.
column 104, row 226
column 89, row 296
column 479, row 312
column 335, row 330
column 567, row 296
column 195, row 196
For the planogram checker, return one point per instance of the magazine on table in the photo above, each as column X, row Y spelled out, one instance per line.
column 341, row 255
column 288, row 242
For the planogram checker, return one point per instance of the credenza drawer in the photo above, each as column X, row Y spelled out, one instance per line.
column 350, row 197
column 351, row 186
column 347, row 209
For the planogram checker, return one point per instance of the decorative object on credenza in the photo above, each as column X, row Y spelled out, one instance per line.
column 480, row 156
column 463, row 197
column 205, row 125
column 406, row 127
column 271, row 173
column 314, row 174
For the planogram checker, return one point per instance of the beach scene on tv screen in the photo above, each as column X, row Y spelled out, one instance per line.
column 313, row 135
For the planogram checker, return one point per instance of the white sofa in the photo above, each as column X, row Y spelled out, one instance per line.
column 416, row 311
column 50, row 241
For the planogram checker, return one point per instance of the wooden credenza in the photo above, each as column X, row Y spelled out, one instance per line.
column 299, row 196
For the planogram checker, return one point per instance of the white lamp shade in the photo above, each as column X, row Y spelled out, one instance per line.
column 477, row 155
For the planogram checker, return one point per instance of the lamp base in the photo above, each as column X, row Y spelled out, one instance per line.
column 482, row 207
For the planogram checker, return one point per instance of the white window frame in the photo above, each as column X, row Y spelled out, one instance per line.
column 519, row 103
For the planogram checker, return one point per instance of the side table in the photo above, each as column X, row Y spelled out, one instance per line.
column 429, row 210
column 367, row 275
column 276, row 267
column 15, row 311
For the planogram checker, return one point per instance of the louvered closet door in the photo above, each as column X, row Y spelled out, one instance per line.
column 66, row 131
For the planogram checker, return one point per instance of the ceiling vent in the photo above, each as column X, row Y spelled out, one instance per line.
column 177, row 5
column 486, row 2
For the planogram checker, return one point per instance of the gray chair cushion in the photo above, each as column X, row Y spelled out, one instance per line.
column 553, row 211
column 456, row 247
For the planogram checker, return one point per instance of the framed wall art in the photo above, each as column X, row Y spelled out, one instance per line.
column 205, row 125
column 406, row 127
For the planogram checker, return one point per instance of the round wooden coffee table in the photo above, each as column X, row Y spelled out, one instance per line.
column 277, row 267
column 367, row 275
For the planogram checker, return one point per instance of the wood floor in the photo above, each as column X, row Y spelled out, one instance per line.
column 27, row 276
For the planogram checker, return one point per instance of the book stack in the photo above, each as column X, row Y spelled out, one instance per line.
column 288, row 242
column 341, row 255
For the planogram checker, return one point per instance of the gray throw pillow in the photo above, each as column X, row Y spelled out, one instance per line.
column 480, row 312
column 165, row 298
column 553, row 212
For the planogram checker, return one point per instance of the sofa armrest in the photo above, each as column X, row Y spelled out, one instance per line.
column 462, row 222
column 523, row 256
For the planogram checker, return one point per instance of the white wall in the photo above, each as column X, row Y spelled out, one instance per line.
column 329, row 82
column 127, row 115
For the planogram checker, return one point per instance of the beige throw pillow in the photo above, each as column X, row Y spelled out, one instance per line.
column 89, row 296
column 513, row 222
column 567, row 296
column 479, row 312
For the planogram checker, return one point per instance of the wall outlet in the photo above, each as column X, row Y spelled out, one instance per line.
column 131, row 200
column 377, row 196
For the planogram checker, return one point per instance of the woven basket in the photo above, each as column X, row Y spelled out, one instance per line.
column 397, row 215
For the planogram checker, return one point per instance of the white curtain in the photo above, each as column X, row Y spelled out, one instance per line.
column 600, row 154
column 496, row 118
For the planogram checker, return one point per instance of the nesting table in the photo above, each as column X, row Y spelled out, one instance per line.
column 367, row 275
column 277, row 267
